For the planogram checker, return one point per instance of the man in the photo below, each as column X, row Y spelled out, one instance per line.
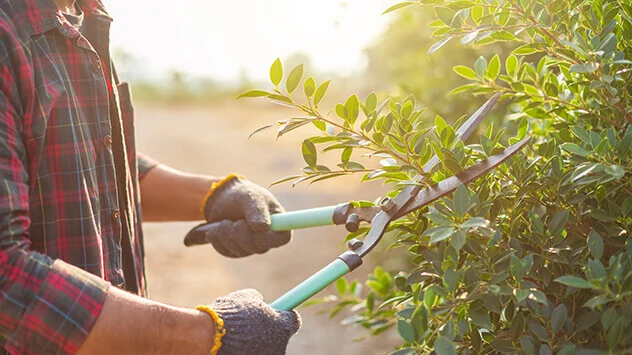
column 70, row 219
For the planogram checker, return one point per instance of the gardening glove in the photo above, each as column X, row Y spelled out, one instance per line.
column 245, row 324
column 238, row 215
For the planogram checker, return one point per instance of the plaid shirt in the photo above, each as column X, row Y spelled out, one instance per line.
column 69, row 196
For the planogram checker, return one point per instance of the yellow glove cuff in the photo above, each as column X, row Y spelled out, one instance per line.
column 219, row 328
column 215, row 186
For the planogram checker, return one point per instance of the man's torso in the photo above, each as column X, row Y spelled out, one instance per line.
column 77, row 127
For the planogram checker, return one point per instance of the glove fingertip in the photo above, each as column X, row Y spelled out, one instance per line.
column 196, row 236
column 292, row 320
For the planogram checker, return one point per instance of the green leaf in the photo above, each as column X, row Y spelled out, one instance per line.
column 511, row 63
column 449, row 330
column 399, row 6
column 581, row 133
column 451, row 280
column 341, row 111
column 575, row 149
column 597, row 301
column 440, row 124
column 515, row 266
column 502, row 345
column 404, row 351
column 320, row 92
column 254, row 93
column 596, row 270
column 475, row 222
column 586, row 321
column 557, row 223
column 276, row 72
column 461, row 200
column 440, row 234
column 615, row 171
column 352, row 109
column 406, row 331
column 584, row 68
column 602, row 215
column 480, row 67
column 559, row 317
column 309, row 87
column 525, row 49
column 458, row 239
column 615, row 333
column 538, row 296
column 517, row 327
column 371, row 102
column 346, row 154
column 341, row 285
column 444, row 346
column 444, row 14
column 285, row 179
column 309, row 153
column 625, row 144
column 430, row 297
column 575, row 282
column 494, row 68
column 523, row 128
column 419, row 321
column 294, row 79
column 480, row 317
column 608, row 317
column 435, row 47
column 260, row 129
column 595, row 245
column 465, row 72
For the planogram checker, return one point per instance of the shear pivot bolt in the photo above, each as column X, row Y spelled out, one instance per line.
column 353, row 222
column 354, row 244
column 387, row 204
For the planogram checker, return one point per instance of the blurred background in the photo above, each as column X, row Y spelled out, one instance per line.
column 188, row 60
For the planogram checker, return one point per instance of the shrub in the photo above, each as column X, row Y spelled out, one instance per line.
column 536, row 257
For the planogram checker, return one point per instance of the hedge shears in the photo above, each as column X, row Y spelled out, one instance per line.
column 409, row 199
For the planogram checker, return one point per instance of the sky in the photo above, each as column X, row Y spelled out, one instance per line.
column 222, row 39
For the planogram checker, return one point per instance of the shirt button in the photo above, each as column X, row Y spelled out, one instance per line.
column 97, row 66
column 116, row 214
column 107, row 140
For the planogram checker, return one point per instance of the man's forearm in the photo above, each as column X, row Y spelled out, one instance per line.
column 171, row 195
column 129, row 324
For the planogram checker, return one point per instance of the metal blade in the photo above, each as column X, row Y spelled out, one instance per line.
column 466, row 176
column 468, row 127
column 381, row 220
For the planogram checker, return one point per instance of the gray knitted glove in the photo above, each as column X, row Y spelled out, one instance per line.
column 252, row 326
column 238, row 215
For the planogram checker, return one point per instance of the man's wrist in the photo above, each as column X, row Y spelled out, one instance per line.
column 217, row 330
column 205, row 331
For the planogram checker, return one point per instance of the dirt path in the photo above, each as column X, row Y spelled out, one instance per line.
column 215, row 141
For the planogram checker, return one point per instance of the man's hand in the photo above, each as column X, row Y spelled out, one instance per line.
column 238, row 215
column 129, row 324
column 253, row 327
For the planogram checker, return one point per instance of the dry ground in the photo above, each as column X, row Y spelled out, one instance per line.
column 214, row 140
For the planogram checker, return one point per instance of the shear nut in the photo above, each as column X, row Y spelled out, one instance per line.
column 387, row 204
column 354, row 244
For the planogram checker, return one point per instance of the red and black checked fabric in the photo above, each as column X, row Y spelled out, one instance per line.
column 69, row 196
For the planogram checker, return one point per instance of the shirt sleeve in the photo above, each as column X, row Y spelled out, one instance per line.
column 145, row 164
column 46, row 305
